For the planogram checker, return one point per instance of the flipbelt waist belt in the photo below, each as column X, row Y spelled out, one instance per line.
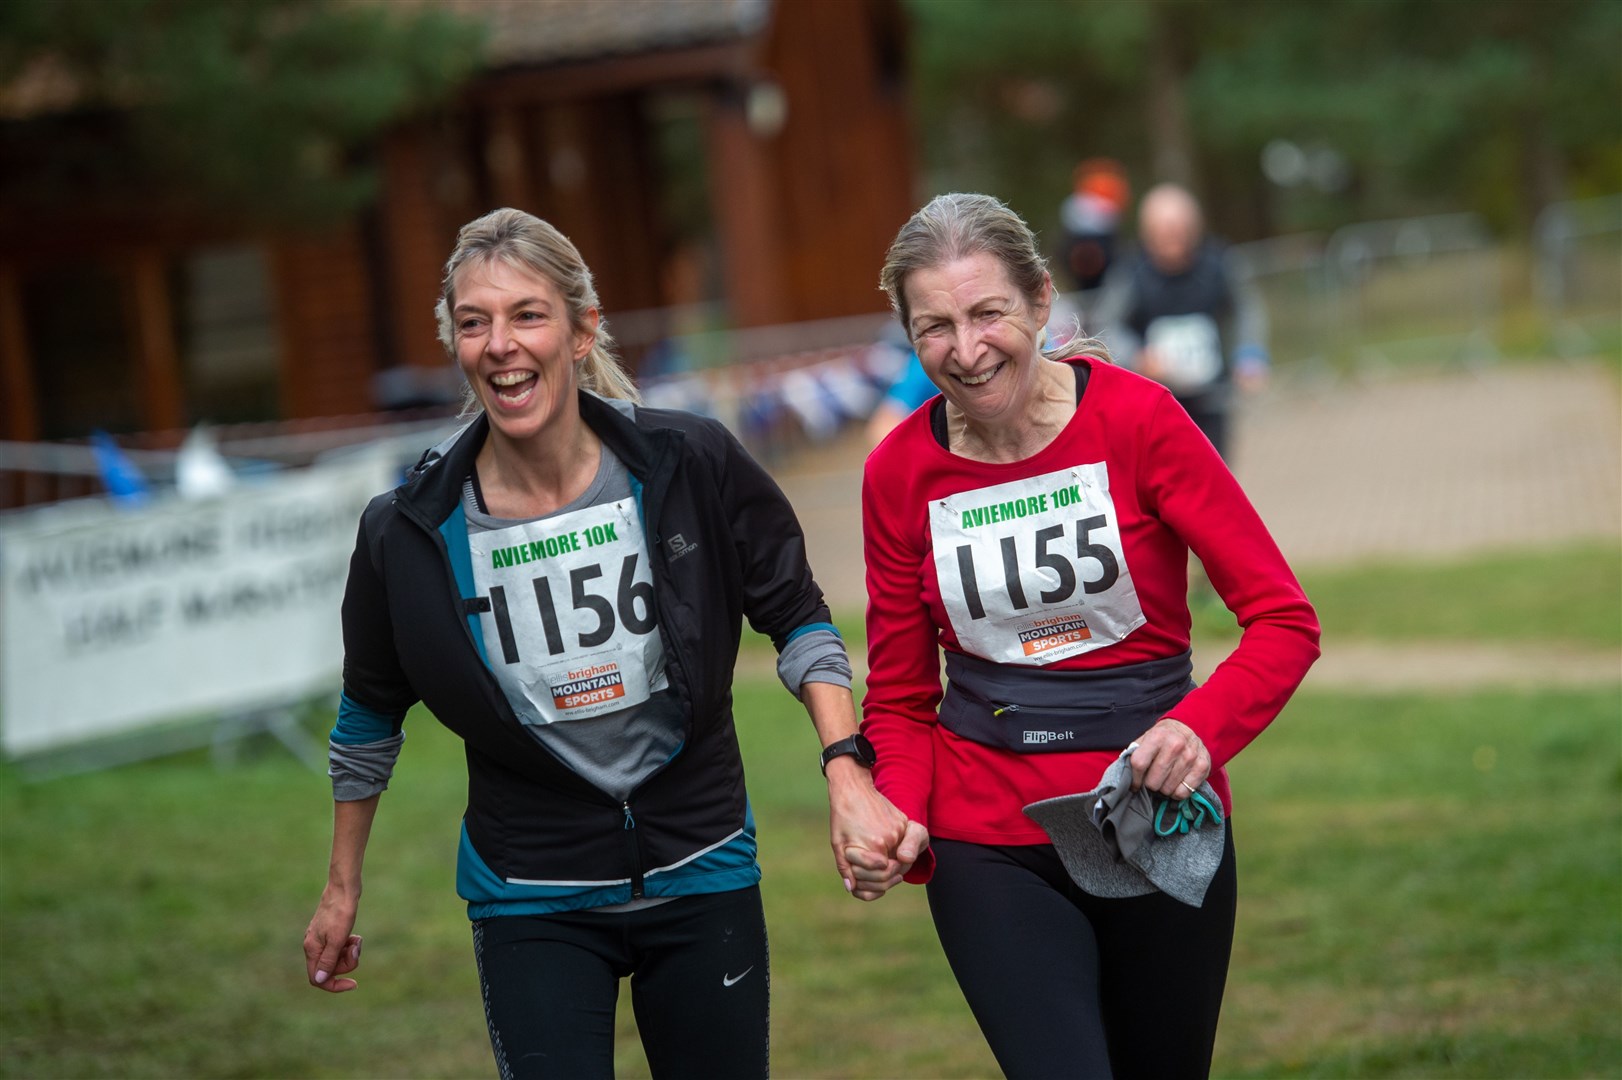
column 1033, row 711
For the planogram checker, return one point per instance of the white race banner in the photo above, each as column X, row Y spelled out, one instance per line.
column 113, row 620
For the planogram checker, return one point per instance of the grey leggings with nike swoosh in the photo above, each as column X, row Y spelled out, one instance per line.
column 700, row 987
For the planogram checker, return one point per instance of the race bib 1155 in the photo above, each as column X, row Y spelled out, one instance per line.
column 1032, row 571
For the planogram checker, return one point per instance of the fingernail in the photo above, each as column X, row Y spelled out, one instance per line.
column 849, row 885
column 321, row 977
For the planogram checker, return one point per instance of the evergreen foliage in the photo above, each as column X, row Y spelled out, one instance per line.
column 1497, row 106
column 258, row 107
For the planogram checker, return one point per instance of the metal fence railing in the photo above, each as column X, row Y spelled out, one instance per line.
column 1436, row 290
column 1423, row 290
column 1418, row 289
column 37, row 473
column 1287, row 277
column 1577, row 275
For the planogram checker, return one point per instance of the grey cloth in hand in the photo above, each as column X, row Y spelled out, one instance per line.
column 1106, row 839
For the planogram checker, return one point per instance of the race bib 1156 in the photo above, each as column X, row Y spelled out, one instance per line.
column 571, row 631
column 1032, row 571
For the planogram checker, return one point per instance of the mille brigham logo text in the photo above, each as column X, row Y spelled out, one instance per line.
column 1048, row 736
column 679, row 547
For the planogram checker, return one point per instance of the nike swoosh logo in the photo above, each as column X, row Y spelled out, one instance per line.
column 728, row 980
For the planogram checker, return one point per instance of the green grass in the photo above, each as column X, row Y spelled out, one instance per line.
column 152, row 917
column 1431, row 885
column 1569, row 596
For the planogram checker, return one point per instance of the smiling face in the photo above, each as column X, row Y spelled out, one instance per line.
column 977, row 337
column 516, row 346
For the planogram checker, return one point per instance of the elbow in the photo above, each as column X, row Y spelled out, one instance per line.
column 1312, row 631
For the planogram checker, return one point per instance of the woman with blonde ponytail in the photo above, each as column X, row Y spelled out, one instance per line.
column 526, row 242
column 563, row 584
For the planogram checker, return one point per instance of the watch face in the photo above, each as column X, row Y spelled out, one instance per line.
column 856, row 746
column 864, row 750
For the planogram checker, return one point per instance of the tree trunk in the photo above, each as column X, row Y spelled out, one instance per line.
column 1171, row 140
column 1543, row 168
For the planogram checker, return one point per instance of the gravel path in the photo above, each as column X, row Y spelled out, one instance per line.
column 1510, row 457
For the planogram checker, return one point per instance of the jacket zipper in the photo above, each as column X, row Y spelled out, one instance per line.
column 636, row 852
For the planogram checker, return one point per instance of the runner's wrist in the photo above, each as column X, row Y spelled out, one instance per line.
column 846, row 771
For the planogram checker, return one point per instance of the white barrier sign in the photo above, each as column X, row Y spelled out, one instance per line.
column 113, row 620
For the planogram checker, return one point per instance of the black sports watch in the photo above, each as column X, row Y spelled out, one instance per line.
column 856, row 746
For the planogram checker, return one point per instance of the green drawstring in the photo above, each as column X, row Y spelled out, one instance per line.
column 1186, row 815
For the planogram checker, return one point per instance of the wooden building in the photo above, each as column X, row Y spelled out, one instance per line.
column 746, row 158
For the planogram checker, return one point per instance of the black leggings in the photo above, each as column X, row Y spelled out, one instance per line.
column 699, row 985
column 1064, row 984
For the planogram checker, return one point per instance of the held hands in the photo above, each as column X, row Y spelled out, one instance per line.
column 1170, row 760
column 872, row 873
column 873, row 842
column 330, row 950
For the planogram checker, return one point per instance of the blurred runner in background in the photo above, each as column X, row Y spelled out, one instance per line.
column 1091, row 216
column 1179, row 314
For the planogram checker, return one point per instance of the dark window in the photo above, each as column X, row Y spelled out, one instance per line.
column 79, row 340
column 226, row 334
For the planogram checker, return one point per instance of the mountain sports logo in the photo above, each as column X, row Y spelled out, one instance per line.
column 1053, row 633
column 589, row 686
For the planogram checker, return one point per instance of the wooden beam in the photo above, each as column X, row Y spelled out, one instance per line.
column 21, row 413
column 506, row 158
column 157, row 353
column 324, row 311
column 730, row 61
column 415, row 243
column 744, row 196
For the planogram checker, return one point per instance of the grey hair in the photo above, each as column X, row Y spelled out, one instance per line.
column 957, row 225
column 526, row 242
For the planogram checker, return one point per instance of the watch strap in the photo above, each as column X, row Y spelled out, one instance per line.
column 855, row 746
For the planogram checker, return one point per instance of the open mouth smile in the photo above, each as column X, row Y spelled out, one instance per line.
column 513, row 388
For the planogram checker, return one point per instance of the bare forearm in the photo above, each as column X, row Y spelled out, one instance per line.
column 833, row 714
column 832, row 709
column 330, row 946
column 351, row 829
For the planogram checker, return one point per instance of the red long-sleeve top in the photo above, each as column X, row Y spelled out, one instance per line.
column 1167, row 492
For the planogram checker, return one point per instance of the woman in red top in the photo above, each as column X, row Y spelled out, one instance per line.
column 1035, row 521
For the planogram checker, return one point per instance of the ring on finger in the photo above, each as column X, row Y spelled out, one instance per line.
column 1191, row 789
